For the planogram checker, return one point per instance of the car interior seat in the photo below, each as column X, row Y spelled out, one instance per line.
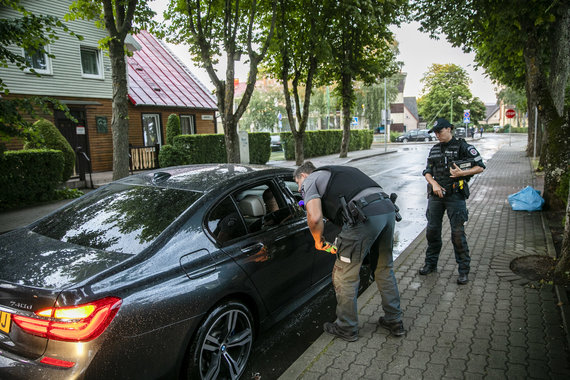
column 253, row 209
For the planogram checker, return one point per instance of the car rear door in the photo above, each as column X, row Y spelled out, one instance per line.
column 277, row 257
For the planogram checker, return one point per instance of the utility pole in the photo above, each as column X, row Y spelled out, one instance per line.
column 385, row 119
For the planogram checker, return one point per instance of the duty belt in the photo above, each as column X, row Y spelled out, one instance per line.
column 364, row 201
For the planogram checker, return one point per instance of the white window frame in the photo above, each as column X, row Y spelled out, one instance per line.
column 192, row 123
column 47, row 70
column 99, row 62
column 158, row 129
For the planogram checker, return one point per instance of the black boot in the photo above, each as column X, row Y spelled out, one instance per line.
column 427, row 269
column 462, row 279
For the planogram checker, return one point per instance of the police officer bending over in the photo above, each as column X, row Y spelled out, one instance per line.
column 451, row 163
column 351, row 199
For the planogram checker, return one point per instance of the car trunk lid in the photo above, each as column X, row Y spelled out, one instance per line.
column 34, row 269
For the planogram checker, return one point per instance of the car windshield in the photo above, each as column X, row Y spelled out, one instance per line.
column 119, row 218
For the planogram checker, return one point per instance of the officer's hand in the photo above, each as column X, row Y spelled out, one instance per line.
column 455, row 171
column 438, row 190
column 326, row 246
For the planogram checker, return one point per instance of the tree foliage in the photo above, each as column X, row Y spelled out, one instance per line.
column 295, row 56
column 213, row 29
column 262, row 110
column 362, row 48
column 370, row 99
column 446, row 94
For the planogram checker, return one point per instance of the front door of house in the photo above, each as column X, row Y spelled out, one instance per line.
column 76, row 134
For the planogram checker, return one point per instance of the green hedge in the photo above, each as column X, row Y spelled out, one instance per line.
column 326, row 142
column 505, row 129
column 29, row 176
column 202, row 149
column 53, row 139
column 259, row 147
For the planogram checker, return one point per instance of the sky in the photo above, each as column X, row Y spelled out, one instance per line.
column 417, row 51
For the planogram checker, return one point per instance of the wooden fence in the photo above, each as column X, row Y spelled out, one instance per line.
column 143, row 157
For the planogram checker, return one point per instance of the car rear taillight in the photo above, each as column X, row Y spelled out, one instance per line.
column 75, row 323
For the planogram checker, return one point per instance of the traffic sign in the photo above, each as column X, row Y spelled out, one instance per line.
column 354, row 121
column 466, row 116
column 510, row 113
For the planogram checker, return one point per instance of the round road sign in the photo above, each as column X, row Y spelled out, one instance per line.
column 510, row 113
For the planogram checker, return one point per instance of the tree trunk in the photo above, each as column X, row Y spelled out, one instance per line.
column 120, row 118
column 562, row 270
column 551, row 109
column 347, row 100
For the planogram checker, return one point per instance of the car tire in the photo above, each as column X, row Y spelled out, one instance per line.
column 426, row 139
column 217, row 353
column 405, row 141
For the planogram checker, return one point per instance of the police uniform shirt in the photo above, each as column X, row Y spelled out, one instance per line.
column 314, row 185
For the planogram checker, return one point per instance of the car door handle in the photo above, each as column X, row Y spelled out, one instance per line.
column 252, row 249
column 281, row 237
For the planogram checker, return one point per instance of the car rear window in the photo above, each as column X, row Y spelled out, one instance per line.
column 118, row 218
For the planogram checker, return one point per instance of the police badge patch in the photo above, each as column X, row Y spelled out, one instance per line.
column 473, row 151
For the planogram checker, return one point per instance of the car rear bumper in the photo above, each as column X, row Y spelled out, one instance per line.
column 17, row 367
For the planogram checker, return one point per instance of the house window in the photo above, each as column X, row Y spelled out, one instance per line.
column 91, row 63
column 151, row 129
column 188, row 124
column 38, row 60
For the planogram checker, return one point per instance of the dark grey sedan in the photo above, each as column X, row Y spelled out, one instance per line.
column 161, row 274
column 415, row 135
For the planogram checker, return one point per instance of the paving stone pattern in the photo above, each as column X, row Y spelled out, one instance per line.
column 495, row 327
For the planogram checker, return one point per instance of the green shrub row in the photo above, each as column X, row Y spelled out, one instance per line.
column 505, row 129
column 53, row 139
column 29, row 176
column 326, row 142
column 202, row 149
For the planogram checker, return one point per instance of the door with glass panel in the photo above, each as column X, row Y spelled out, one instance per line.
column 151, row 129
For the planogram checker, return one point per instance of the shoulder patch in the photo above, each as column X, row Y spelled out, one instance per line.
column 473, row 151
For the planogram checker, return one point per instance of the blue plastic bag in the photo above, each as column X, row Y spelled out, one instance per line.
column 528, row 199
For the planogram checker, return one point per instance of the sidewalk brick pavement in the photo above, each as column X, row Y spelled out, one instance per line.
column 498, row 326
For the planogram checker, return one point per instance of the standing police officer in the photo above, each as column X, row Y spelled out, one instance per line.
column 451, row 163
column 351, row 199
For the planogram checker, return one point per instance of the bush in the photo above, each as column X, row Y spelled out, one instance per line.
column 172, row 128
column 53, row 139
column 326, row 142
column 259, row 147
column 169, row 156
column 29, row 176
column 394, row 136
column 201, row 149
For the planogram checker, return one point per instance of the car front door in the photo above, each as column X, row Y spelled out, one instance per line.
column 323, row 262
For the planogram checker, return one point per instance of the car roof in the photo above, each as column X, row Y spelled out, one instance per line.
column 203, row 177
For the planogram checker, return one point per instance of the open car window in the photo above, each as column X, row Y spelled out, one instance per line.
column 225, row 222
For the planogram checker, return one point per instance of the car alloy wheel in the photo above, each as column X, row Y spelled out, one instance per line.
column 405, row 141
column 223, row 344
column 426, row 139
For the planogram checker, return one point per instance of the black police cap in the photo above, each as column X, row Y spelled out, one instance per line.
column 440, row 124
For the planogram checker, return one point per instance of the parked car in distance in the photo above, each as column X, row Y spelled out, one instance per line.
column 460, row 132
column 415, row 135
column 276, row 143
column 166, row 274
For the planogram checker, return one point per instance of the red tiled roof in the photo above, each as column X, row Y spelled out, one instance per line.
column 158, row 78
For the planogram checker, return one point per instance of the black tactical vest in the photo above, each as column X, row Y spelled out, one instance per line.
column 440, row 160
column 344, row 181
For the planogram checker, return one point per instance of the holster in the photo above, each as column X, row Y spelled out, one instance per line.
column 461, row 187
